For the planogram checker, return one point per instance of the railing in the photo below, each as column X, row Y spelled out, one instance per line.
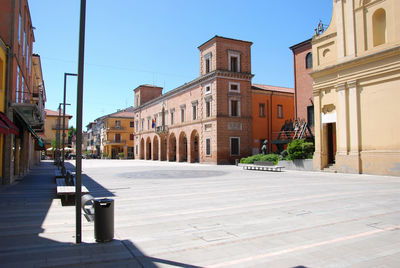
column 109, row 142
column 116, row 128
column 161, row 129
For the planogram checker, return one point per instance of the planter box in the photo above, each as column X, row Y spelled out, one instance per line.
column 298, row 164
column 263, row 163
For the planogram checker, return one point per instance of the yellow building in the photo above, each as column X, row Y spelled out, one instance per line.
column 53, row 127
column 356, row 72
column 117, row 135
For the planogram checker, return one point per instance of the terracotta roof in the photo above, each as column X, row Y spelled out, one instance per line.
column 55, row 113
column 272, row 88
column 123, row 113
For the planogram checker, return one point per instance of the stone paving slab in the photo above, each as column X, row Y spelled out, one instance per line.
column 193, row 215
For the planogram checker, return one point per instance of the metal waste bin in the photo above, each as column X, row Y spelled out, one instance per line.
column 103, row 219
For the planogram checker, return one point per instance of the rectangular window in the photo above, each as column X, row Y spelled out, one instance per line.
column 148, row 123
column 280, row 111
column 142, row 124
column 234, row 105
column 234, row 64
column 131, row 124
column 208, row 108
column 137, row 124
column 137, row 149
column 262, row 110
column 19, row 28
column 117, row 124
column 207, row 89
column 117, row 137
column 17, row 89
column 208, row 146
column 235, row 146
column 182, row 115
column 131, row 137
column 194, row 112
column 172, row 118
column 234, row 87
column 310, row 115
column 208, row 66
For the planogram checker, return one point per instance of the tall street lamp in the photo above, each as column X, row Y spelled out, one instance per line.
column 79, row 106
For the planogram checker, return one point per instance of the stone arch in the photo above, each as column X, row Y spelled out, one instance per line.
column 183, row 147
column 141, row 152
column 194, row 147
column 148, row 148
column 155, row 147
column 379, row 27
column 172, row 147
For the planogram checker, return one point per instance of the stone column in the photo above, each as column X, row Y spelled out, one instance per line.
column 317, row 158
column 342, row 113
column 354, row 127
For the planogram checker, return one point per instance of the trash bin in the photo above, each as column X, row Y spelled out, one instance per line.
column 103, row 219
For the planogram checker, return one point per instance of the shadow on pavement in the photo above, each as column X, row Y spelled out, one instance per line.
column 26, row 218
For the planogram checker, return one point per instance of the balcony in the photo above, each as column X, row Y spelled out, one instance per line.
column 116, row 128
column 161, row 129
column 55, row 127
column 30, row 106
column 114, row 142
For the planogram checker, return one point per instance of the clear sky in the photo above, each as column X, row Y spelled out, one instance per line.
column 134, row 42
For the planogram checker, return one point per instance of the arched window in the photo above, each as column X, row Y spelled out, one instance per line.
column 379, row 27
column 309, row 60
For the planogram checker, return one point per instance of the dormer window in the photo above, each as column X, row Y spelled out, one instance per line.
column 234, row 61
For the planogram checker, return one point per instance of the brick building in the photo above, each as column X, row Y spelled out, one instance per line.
column 303, row 82
column 206, row 120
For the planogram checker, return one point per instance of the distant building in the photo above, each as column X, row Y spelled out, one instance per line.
column 117, row 135
column 53, row 130
column 22, row 95
column 210, row 119
column 356, row 72
column 271, row 107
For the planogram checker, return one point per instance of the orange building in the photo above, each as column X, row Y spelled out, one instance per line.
column 271, row 107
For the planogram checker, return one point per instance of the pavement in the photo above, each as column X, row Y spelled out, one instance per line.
column 195, row 215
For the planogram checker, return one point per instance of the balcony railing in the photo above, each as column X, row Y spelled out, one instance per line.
column 116, row 128
column 161, row 129
column 111, row 142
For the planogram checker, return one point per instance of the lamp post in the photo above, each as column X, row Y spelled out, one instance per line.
column 79, row 106
column 57, row 152
column 63, row 135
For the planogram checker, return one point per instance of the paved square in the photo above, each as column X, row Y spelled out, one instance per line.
column 194, row 215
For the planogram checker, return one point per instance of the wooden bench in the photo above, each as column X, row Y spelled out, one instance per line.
column 65, row 191
column 263, row 168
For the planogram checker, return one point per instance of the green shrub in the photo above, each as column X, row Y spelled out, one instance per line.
column 299, row 149
column 259, row 157
column 270, row 157
column 121, row 155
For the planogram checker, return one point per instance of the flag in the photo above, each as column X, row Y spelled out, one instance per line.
column 153, row 123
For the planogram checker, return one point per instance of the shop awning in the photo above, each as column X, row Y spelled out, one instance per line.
column 3, row 128
column 12, row 128
column 40, row 142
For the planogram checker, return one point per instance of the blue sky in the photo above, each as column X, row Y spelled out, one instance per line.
column 132, row 42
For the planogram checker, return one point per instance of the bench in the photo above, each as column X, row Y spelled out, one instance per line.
column 263, row 168
column 66, row 187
